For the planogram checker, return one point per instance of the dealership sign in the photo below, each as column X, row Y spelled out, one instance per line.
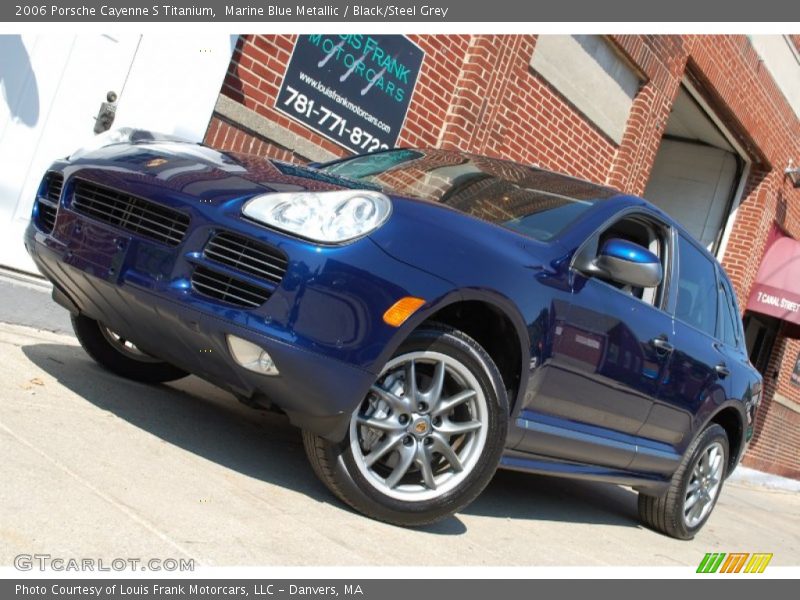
column 353, row 89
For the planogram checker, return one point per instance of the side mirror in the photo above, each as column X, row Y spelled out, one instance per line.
column 627, row 263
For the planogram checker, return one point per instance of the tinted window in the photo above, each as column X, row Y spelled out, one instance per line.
column 697, row 288
column 531, row 201
column 730, row 324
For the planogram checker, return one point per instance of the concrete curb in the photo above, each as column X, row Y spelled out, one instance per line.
column 751, row 477
column 27, row 302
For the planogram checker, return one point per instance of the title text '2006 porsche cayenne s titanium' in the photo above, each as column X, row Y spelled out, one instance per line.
column 424, row 316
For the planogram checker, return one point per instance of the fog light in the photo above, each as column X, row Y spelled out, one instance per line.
column 251, row 356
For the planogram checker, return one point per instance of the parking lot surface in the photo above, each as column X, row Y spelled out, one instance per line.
column 92, row 465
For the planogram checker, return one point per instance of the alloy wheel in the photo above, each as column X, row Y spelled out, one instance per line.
column 125, row 346
column 422, row 428
column 704, row 485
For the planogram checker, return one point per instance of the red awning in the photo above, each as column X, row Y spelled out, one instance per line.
column 776, row 291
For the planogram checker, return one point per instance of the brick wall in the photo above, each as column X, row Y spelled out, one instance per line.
column 776, row 444
column 478, row 93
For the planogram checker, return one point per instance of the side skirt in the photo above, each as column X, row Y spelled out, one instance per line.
column 530, row 463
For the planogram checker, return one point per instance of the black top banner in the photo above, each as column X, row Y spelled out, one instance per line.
column 401, row 11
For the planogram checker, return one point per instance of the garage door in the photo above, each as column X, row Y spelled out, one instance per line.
column 694, row 184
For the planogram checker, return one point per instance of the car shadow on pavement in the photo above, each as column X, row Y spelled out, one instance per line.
column 514, row 495
column 203, row 419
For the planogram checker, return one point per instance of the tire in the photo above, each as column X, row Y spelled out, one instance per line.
column 466, row 421
column 121, row 357
column 671, row 513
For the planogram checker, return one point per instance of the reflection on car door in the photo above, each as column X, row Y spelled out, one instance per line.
column 692, row 381
column 604, row 376
column 697, row 372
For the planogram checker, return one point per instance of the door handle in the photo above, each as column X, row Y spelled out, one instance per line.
column 722, row 370
column 661, row 345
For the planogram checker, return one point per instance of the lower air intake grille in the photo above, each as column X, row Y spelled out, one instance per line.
column 48, row 201
column 234, row 291
column 46, row 218
column 247, row 255
column 53, row 186
column 130, row 213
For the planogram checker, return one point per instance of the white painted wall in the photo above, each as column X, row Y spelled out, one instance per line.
column 174, row 83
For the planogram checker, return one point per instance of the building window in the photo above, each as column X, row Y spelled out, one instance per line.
column 589, row 72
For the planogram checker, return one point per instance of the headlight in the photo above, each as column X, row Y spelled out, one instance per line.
column 328, row 217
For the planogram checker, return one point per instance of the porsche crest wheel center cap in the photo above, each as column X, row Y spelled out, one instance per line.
column 420, row 426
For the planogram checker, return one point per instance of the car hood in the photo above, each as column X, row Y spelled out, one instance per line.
column 202, row 172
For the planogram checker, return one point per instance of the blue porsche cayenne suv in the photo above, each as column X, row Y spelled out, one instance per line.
column 424, row 316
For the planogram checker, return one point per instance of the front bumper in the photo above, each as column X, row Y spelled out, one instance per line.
column 322, row 323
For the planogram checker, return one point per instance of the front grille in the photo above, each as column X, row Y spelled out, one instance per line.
column 130, row 213
column 247, row 255
column 48, row 201
column 227, row 289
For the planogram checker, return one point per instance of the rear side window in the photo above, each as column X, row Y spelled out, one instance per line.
column 697, row 288
column 730, row 323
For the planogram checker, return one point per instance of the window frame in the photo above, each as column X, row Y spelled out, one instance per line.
column 727, row 293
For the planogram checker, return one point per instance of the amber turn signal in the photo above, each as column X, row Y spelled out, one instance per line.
column 401, row 310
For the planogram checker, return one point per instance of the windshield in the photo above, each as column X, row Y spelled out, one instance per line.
column 531, row 201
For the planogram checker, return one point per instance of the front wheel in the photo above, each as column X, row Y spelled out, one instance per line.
column 120, row 356
column 427, row 438
column 694, row 489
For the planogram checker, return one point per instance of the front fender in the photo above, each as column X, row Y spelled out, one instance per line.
column 490, row 297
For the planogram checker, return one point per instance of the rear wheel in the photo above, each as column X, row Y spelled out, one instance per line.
column 694, row 489
column 120, row 356
column 427, row 438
